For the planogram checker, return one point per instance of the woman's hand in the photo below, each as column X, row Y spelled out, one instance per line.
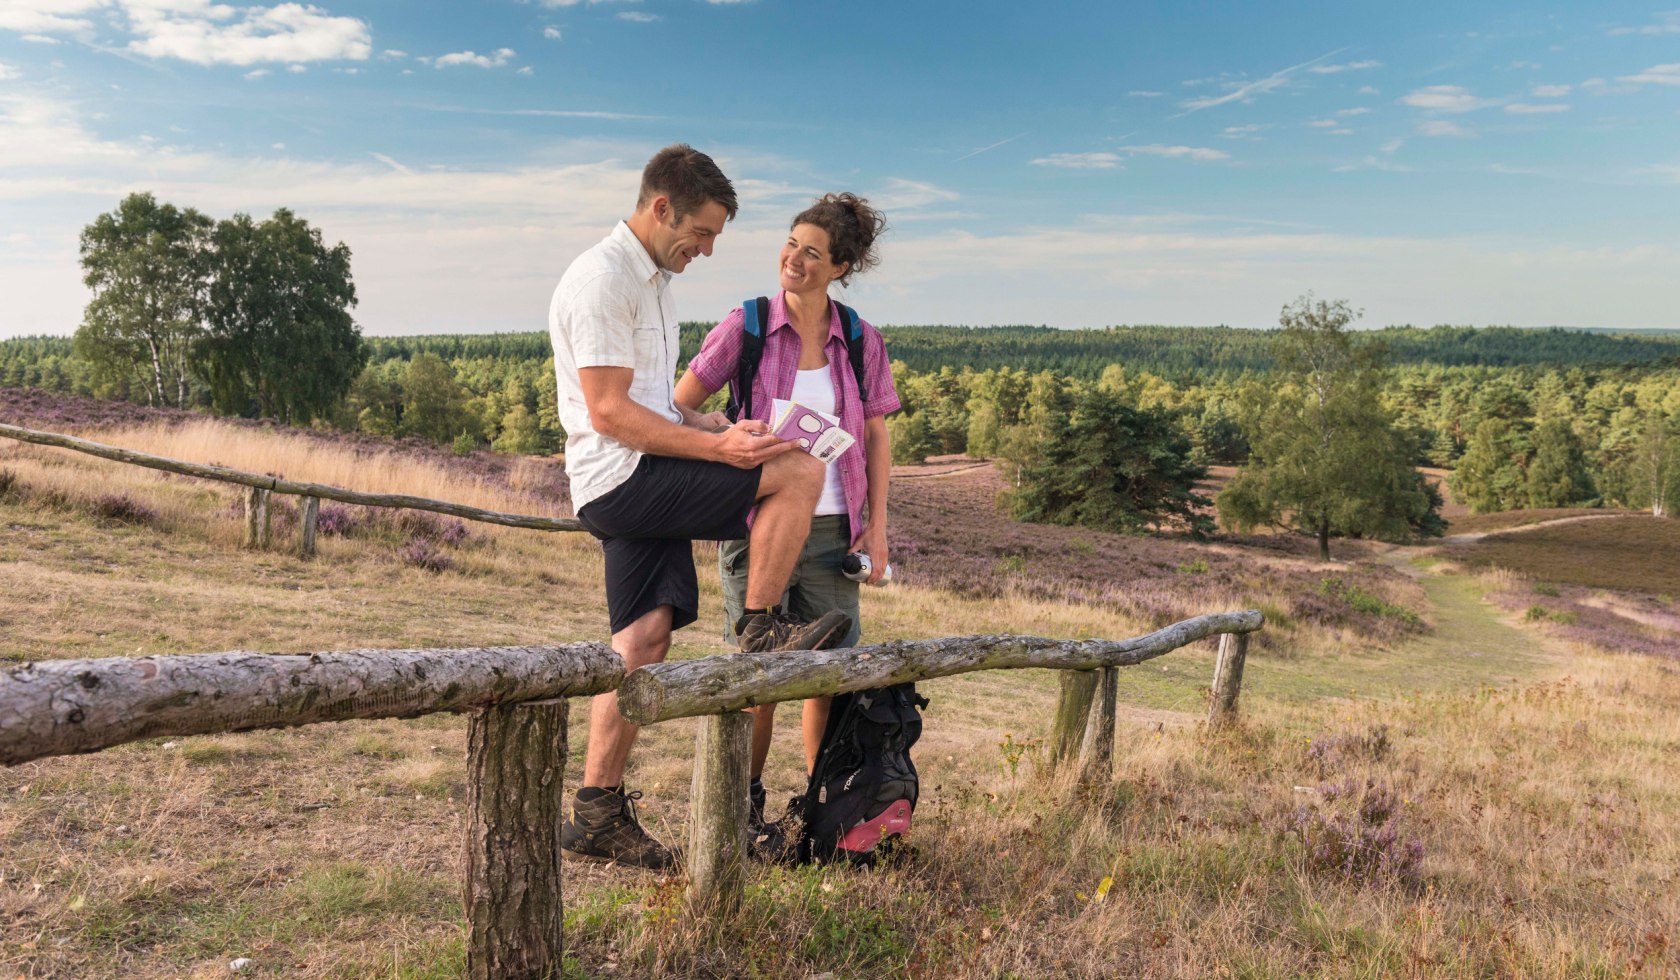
column 873, row 542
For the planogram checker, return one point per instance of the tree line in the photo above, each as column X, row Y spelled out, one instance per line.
column 1109, row 427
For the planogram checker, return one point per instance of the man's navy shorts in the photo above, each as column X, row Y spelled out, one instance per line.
column 646, row 524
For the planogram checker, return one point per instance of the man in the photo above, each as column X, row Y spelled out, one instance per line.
column 648, row 477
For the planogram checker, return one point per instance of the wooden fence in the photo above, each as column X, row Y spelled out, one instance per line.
column 262, row 485
column 517, row 733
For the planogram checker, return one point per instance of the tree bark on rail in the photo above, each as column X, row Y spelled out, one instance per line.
column 516, row 761
column 717, row 836
column 1227, row 680
column 263, row 481
column 65, row 707
column 1096, row 758
column 712, row 685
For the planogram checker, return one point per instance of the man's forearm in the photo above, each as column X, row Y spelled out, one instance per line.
column 647, row 431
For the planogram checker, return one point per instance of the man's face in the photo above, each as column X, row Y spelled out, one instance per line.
column 675, row 244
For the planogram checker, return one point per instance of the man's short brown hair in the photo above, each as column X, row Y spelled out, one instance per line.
column 688, row 178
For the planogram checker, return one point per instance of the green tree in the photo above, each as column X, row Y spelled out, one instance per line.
column 1109, row 465
column 1656, row 464
column 1327, row 458
column 281, row 342
column 911, row 438
column 146, row 263
column 1557, row 476
column 434, row 403
column 1489, row 476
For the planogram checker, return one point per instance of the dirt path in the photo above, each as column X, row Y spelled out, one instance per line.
column 1478, row 535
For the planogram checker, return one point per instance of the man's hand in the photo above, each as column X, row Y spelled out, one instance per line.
column 711, row 421
column 748, row 444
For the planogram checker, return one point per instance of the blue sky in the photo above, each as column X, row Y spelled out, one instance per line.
column 1070, row 164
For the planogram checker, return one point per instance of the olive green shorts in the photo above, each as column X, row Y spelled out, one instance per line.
column 816, row 585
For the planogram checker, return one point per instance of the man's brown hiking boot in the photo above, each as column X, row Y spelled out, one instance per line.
column 604, row 828
column 776, row 630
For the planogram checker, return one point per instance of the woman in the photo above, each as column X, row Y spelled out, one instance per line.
column 806, row 358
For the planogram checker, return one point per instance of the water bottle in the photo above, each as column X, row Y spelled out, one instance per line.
column 856, row 566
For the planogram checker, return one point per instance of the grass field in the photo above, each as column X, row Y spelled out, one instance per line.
column 1469, row 794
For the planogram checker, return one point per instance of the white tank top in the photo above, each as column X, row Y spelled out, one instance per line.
column 815, row 389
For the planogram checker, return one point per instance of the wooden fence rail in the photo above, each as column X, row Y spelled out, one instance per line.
column 717, row 688
column 262, row 484
column 516, row 746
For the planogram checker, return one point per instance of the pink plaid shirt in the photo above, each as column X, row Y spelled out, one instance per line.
column 720, row 353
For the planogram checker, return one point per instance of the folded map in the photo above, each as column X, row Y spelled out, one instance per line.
column 817, row 432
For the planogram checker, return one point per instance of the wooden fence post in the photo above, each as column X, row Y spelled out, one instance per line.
column 307, row 522
column 1227, row 679
column 516, row 761
column 1096, row 758
column 1072, row 708
column 256, row 518
column 717, row 841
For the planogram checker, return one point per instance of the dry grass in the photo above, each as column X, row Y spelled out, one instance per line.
column 1537, row 778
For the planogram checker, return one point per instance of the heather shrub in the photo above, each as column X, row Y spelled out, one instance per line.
column 425, row 553
column 339, row 520
column 120, row 508
column 8, row 480
column 1355, row 835
column 1332, row 752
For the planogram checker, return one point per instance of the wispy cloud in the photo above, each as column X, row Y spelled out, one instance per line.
column 1349, row 66
column 1239, row 132
column 8, row 72
column 47, row 16
column 1655, row 75
column 983, row 149
column 1079, row 161
column 1185, row 152
column 1144, row 94
column 1667, row 22
column 1444, row 98
column 1528, row 108
column 638, row 17
column 1443, row 127
column 1321, row 123
column 1245, row 92
column 1372, row 163
column 537, row 113
column 494, row 60
column 552, row 33
column 204, row 34
column 1550, row 91
column 1355, row 111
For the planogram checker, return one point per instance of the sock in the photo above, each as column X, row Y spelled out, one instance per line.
column 591, row 793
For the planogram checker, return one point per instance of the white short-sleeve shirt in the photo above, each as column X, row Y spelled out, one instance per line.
column 613, row 308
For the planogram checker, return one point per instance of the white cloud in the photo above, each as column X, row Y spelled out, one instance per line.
column 496, row 60
column 1372, row 163
column 48, row 16
column 637, row 17
column 527, row 70
column 1188, row 152
column 1144, row 94
column 1444, row 98
column 1238, row 132
column 1550, row 91
column 1525, row 108
column 1079, row 161
column 1246, row 92
column 258, row 73
column 1667, row 22
column 297, row 69
column 1443, row 127
column 39, row 39
column 203, row 33
column 1368, row 90
column 8, row 72
column 552, row 33
column 1350, row 66
column 1321, row 123
column 1655, row 75
column 1355, row 111
column 393, row 54
column 1393, row 144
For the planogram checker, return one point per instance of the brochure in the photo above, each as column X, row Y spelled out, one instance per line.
column 818, row 433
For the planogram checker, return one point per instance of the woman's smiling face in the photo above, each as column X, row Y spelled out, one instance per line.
column 805, row 263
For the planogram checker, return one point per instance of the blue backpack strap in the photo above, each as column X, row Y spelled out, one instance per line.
column 755, row 317
column 851, row 329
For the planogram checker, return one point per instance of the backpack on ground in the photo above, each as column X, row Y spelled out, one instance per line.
column 864, row 786
column 755, row 315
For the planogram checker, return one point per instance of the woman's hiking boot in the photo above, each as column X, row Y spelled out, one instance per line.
column 604, row 827
column 762, row 632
